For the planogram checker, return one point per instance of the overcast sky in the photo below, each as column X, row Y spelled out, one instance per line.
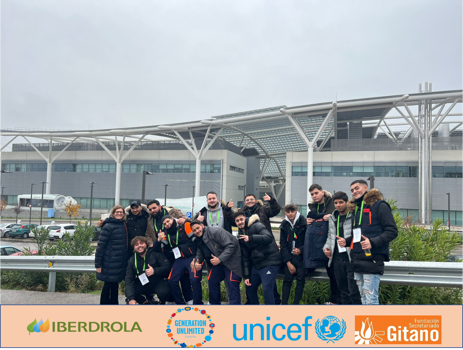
column 78, row 64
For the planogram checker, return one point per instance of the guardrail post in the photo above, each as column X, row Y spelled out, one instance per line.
column 51, row 281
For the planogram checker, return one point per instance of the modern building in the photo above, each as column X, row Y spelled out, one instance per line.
column 411, row 144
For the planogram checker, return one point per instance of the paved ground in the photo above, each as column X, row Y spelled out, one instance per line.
column 22, row 297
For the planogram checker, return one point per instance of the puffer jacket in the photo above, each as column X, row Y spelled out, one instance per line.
column 315, row 239
column 331, row 241
column 229, row 219
column 265, row 212
column 328, row 206
column 287, row 232
column 136, row 224
column 111, row 251
column 261, row 250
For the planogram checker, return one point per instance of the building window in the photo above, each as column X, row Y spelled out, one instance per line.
column 235, row 168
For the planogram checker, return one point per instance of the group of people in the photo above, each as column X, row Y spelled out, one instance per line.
column 158, row 251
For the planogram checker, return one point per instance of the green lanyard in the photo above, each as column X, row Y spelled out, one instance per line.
column 176, row 242
column 144, row 259
column 218, row 217
column 361, row 213
column 294, row 233
column 155, row 226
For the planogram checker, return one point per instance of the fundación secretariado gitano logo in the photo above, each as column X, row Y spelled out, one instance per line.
column 386, row 330
column 190, row 327
column 330, row 329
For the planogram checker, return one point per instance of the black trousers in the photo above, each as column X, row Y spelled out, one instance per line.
column 288, row 281
column 110, row 293
column 345, row 280
column 160, row 288
column 335, row 292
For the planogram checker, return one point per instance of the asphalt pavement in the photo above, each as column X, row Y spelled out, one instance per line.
column 22, row 297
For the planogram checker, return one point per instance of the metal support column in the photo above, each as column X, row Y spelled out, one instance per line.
column 49, row 166
column 198, row 177
column 117, row 195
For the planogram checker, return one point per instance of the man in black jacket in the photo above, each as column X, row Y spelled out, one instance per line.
column 180, row 250
column 137, row 221
column 374, row 227
column 157, row 212
column 216, row 214
column 292, row 235
column 221, row 252
column 146, row 273
column 260, row 257
column 265, row 212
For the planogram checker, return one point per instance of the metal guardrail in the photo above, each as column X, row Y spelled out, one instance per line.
column 409, row 273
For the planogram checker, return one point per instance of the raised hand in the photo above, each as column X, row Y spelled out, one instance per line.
column 200, row 218
column 267, row 198
column 231, row 204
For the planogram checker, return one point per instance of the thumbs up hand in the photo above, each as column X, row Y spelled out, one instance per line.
column 266, row 197
column 215, row 260
column 149, row 271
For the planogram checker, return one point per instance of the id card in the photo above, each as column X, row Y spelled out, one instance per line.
column 176, row 252
column 341, row 249
column 143, row 279
column 235, row 234
column 357, row 235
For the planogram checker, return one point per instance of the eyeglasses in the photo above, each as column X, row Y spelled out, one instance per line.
column 249, row 199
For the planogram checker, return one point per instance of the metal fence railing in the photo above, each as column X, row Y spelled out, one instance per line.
column 410, row 273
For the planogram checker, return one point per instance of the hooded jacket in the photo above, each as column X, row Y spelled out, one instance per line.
column 331, row 241
column 328, row 206
column 136, row 224
column 378, row 225
column 223, row 245
column 157, row 261
column 265, row 212
column 228, row 217
column 287, row 232
column 111, row 251
column 155, row 225
column 261, row 250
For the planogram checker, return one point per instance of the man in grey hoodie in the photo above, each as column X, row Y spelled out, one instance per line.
column 337, row 249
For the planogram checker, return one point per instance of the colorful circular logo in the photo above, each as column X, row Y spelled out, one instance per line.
column 190, row 327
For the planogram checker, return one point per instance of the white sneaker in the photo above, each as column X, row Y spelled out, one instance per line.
column 170, row 303
column 189, row 302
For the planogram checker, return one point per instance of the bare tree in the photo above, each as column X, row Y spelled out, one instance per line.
column 18, row 210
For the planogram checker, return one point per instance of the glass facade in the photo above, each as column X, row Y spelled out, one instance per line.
column 111, row 167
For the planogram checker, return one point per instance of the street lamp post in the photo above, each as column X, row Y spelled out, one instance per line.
column 193, row 203
column 165, row 194
column 448, row 220
column 372, row 181
column 244, row 189
column 30, row 206
column 41, row 204
column 91, row 201
column 143, row 185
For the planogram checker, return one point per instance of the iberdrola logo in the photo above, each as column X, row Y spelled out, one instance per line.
column 40, row 327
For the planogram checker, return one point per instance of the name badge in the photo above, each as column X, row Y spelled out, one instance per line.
column 341, row 249
column 143, row 279
column 357, row 235
column 176, row 252
column 235, row 234
column 294, row 246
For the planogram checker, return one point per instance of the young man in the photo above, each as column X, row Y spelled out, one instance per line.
column 146, row 273
column 216, row 214
column 265, row 212
column 374, row 228
column 292, row 236
column 157, row 212
column 337, row 249
column 180, row 250
column 322, row 203
column 137, row 220
column 221, row 252
column 260, row 257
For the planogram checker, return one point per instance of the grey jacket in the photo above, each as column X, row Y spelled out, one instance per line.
column 332, row 232
column 223, row 245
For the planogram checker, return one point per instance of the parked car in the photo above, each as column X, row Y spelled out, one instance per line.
column 39, row 228
column 22, row 230
column 5, row 229
column 32, row 252
column 8, row 250
column 58, row 231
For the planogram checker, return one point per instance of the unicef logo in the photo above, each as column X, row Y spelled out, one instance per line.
column 330, row 329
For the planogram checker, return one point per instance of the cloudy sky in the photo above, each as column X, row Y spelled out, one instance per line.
column 90, row 64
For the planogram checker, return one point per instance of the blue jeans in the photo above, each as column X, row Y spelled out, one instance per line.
column 368, row 287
